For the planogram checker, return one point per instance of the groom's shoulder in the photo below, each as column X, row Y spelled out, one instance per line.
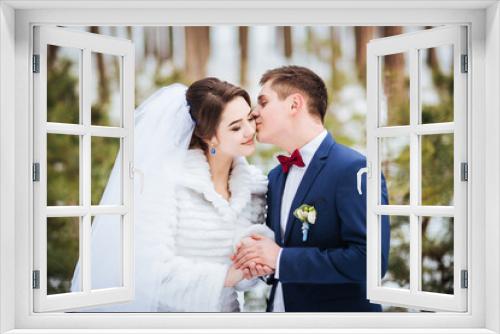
column 342, row 157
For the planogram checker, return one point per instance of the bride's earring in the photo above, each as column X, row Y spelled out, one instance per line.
column 213, row 151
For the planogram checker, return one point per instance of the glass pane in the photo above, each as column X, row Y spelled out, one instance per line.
column 436, row 84
column 398, row 272
column 104, row 154
column 437, row 169
column 63, row 169
column 62, row 252
column 437, row 254
column 395, row 166
column 63, row 84
column 106, row 90
column 107, row 251
column 394, row 97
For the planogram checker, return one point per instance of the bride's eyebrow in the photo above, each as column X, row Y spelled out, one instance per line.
column 239, row 120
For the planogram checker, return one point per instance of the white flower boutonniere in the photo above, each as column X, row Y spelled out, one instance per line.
column 307, row 215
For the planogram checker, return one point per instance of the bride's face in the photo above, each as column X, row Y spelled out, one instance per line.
column 236, row 131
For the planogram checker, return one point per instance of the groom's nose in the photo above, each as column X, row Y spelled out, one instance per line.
column 255, row 111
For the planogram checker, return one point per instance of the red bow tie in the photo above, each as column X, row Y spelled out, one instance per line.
column 294, row 159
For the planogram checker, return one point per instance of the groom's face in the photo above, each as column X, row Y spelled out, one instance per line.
column 271, row 115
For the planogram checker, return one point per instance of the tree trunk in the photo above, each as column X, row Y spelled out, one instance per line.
column 432, row 59
column 335, row 54
column 102, row 77
column 287, row 42
column 395, row 61
column 309, row 39
column 394, row 78
column 170, row 53
column 163, row 44
column 116, row 60
column 129, row 32
column 149, row 41
column 197, row 52
column 52, row 51
column 362, row 36
column 243, row 41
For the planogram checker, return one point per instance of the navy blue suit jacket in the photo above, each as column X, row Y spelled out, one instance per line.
column 326, row 273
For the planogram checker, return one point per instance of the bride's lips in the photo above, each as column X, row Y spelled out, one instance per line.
column 250, row 142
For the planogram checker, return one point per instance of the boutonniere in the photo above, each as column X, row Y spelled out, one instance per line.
column 307, row 215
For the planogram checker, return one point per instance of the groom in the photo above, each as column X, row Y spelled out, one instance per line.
column 325, row 270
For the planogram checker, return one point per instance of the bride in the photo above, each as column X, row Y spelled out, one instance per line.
column 197, row 198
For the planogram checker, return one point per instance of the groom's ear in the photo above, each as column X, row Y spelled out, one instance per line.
column 297, row 102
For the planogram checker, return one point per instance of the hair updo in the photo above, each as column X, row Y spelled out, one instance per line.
column 207, row 99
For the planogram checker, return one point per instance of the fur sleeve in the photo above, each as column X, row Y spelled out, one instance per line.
column 258, row 207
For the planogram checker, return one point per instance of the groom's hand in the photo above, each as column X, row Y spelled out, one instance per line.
column 263, row 251
column 253, row 269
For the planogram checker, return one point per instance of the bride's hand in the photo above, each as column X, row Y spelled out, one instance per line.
column 233, row 276
column 256, row 270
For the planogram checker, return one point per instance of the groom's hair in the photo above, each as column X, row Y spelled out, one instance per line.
column 291, row 79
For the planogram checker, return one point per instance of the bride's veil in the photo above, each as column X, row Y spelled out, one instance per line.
column 162, row 132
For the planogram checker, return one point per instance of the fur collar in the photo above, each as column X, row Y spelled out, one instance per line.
column 244, row 181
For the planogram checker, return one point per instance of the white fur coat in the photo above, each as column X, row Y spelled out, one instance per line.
column 204, row 232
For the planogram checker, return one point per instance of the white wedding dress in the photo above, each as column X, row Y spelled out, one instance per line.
column 184, row 231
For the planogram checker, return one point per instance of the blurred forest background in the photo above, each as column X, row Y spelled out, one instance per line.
column 240, row 55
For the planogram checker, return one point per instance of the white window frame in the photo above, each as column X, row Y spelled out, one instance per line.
column 87, row 43
column 411, row 44
column 16, row 19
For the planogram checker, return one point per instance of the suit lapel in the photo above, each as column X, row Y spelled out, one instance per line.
column 315, row 166
column 277, row 206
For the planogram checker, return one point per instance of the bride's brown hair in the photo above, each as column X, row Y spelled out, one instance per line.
column 207, row 99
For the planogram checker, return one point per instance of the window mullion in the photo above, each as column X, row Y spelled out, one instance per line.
column 80, row 130
column 419, row 210
column 460, row 101
column 414, row 173
column 373, row 180
column 40, row 154
column 127, row 101
column 86, row 171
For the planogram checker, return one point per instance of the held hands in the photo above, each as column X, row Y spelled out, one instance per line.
column 256, row 256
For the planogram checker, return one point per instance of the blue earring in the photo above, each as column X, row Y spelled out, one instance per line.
column 212, row 150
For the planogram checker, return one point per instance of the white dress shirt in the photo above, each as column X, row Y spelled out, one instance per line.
column 295, row 175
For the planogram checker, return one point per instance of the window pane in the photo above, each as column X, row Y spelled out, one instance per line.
column 394, row 97
column 63, row 169
column 62, row 252
column 395, row 165
column 437, row 169
column 63, row 84
column 437, row 254
column 107, row 251
column 398, row 272
column 436, row 84
column 106, row 90
column 104, row 153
